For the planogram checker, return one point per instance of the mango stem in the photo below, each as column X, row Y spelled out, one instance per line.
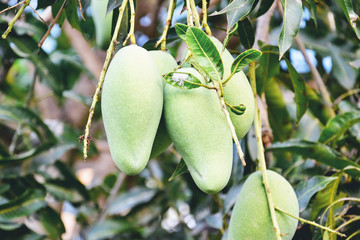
column 261, row 155
column 204, row 20
column 131, row 34
column 13, row 21
column 162, row 40
column 86, row 137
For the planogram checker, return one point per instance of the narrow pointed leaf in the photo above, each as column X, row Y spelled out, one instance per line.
column 264, row 7
column 238, row 110
column 108, row 228
column 182, row 80
column 27, row 203
column 352, row 17
column 312, row 8
column 112, row 4
column 181, row 30
column 246, row 33
column 205, row 53
column 180, row 169
column 291, row 23
column 72, row 14
column 306, row 189
column 338, row 125
column 298, row 83
column 317, row 151
column 269, row 66
column 244, row 59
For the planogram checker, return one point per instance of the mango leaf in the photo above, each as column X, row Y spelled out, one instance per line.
column 344, row 73
column 244, row 59
column 205, row 53
column 27, row 203
column 269, row 66
column 215, row 220
column 231, row 197
column 45, row 3
column 279, row 117
column 306, row 189
column 351, row 16
column 229, row 35
column 317, row 151
column 72, row 14
column 236, row 11
column 291, row 23
column 181, row 30
column 298, row 83
column 180, row 169
column 238, row 110
column 125, row 201
column 182, row 80
column 338, row 125
column 61, row 191
column 112, row 4
column 55, row 8
column 246, row 33
column 108, row 228
column 311, row 5
column 264, row 7
column 9, row 226
column 51, row 222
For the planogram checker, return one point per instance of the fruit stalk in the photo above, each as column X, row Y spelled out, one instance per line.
column 195, row 13
column 131, row 34
column 162, row 40
column 261, row 156
column 231, row 125
column 13, row 21
column 109, row 52
column 189, row 16
column 204, row 20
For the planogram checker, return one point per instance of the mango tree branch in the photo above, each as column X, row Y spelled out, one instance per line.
column 204, row 20
column 13, row 21
column 195, row 13
column 189, row 15
column 86, row 137
column 162, row 40
column 131, row 34
column 261, row 155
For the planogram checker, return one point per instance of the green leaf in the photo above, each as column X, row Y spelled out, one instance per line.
column 269, row 66
column 317, row 151
column 311, row 5
column 181, row 30
column 298, row 83
column 306, row 189
column 112, row 4
column 351, row 16
column 72, row 14
column 9, row 226
column 244, row 59
column 205, row 53
column 182, row 80
column 180, row 169
column 126, row 201
column 291, row 23
column 51, row 222
column 246, row 33
column 236, row 11
column 215, row 220
column 338, row 125
column 55, row 8
column 27, row 203
column 108, row 228
column 344, row 73
column 238, row 110
column 278, row 114
column 264, row 7
column 45, row 3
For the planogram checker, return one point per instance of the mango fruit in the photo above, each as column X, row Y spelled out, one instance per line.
column 165, row 63
column 250, row 218
column 200, row 133
column 103, row 22
column 131, row 104
column 237, row 91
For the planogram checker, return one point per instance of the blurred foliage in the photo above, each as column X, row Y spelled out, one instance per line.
column 40, row 190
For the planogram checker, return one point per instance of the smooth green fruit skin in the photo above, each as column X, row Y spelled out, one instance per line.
column 251, row 220
column 131, row 102
column 237, row 91
column 200, row 133
column 103, row 23
column 165, row 63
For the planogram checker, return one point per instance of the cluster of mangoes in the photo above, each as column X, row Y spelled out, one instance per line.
column 142, row 115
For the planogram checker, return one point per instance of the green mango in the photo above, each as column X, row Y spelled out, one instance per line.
column 131, row 104
column 237, row 91
column 165, row 63
column 200, row 133
column 250, row 218
column 103, row 23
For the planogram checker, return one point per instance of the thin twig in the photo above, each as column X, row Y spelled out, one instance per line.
column 195, row 13
column 345, row 95
column 131, row 34
column 204, row 20
column 52, row 24
column 86, row 136
column 261, row 155
column 37, row 14
column 311, row 223
column 8, row 8
column 81, row 10
column 189, row 15
column 162, row 40
column 13, row 21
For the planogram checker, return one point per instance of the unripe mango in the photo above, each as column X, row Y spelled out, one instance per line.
column 237, row 91
column 131, row 103
column 103, row 22
column 165, row 63
column 200, row 133
column 251, row 220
